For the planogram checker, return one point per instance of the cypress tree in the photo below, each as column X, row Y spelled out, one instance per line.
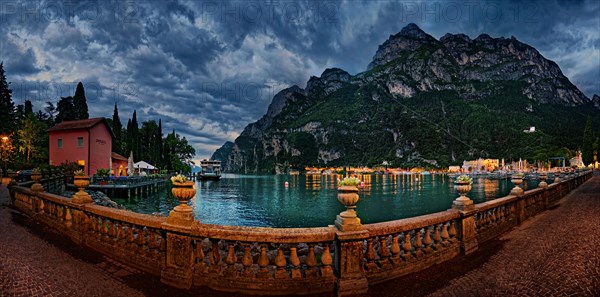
column 587, row 150
column 80, row 103
column 134, row 137
column 159, row 144
column 117, row 128
column 8, row 121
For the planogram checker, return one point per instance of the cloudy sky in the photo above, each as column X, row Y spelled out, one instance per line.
column 208, row 68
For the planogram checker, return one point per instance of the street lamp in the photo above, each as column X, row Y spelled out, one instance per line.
column 4, row 139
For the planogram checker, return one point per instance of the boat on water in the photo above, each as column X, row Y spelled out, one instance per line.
column 210, row 170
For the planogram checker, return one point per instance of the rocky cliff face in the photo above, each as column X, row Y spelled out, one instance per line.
column 421, row 99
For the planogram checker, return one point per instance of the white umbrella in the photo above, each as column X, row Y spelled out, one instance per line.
column 130, row 164
column 143, row 165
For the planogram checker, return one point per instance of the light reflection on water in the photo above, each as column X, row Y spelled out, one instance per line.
column 310, row 200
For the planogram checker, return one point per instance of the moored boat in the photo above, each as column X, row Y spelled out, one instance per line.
column 210, row 170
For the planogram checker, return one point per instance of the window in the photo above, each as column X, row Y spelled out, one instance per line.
column 59, row 143
column 79, row 141
column 81, row 162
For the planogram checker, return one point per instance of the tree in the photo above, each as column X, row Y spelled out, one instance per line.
column 80, row 103
column 51, row 111
column 587, row 150
column 29, row 135
column 65, row 110
column 7, row 106
column 178, row 153
column 117, row 128
column 159, row 144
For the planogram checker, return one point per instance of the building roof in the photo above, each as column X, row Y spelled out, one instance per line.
column 118, row 157
column 81, row 124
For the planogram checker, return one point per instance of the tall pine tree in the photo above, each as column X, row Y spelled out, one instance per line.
column 159, row 145
column 135, row 137
column 587, row 151
column 7, row 106
column 117, row 128
column 80, row 103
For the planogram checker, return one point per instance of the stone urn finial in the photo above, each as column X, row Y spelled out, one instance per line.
column 462, row 185
column 183, row 190
column 517, row 180
column 543, row 183
column 348, row 196
column 557, row 176
column 81, row 181
column 36, row 176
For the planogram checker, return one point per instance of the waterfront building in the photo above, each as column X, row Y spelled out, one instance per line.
column 87, row 142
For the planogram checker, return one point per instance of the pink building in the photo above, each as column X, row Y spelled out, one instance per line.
column 87, row 142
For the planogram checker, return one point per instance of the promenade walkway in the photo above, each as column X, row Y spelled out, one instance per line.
column 555, row 253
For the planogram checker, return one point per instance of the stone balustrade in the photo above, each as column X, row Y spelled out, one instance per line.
column 283, row 261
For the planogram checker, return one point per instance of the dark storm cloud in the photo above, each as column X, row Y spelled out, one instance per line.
column 208, row 68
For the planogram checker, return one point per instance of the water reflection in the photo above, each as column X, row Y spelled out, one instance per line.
column 310, row 200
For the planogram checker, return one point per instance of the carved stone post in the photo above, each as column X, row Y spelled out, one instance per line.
column 348, row 266
column 179, row 261
column 179, row 257
column 468, row 230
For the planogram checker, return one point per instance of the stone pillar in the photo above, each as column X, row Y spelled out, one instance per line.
column 468, row 230
column 351, row 279
column 179, row 257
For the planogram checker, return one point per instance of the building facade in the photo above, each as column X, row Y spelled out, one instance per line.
column 86, row 142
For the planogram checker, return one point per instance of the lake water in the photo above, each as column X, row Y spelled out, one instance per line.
column 310, row 200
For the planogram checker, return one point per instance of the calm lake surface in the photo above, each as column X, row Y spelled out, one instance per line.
column 310, row 200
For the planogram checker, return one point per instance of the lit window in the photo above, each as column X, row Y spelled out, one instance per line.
column 79, row 141
column 59, row 143
column 81, row 162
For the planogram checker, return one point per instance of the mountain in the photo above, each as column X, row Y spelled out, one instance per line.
column 422, row 101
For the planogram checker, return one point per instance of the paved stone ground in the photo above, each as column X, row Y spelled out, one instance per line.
column 555, row 253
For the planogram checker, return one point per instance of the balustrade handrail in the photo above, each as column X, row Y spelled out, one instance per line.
column 496, row 202
column 125, row 216
column 408, row 224
column 264, row 234
column 225, row 257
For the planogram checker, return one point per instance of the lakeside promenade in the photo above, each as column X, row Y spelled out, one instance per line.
column 552, row 254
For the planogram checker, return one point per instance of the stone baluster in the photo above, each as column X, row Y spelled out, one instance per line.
column 384, row 253
column 199, row 265
column 427, row 242
column 437, row 238
column 418, row 243
column 395, row 249
column 370, row 255
column 445, row 234
column 295, row 261
column 68, row 218
column 141, row 240
column 230, row 260
column 247, row 262
column 105, row 236
column 407, row 246
column 121, row 237
column 130, row 238
column 215, row 258
column 452, row 231
column 311, row 262
column 493, row 216
column 280, row 272
column 326, row 261
column 263, row 262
